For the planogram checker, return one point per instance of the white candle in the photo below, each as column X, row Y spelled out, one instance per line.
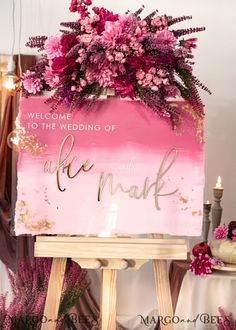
column 218, row 183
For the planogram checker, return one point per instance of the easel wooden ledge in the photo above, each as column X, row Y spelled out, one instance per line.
column 109, row 255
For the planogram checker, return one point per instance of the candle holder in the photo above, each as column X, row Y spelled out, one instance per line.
column 206, row 222
column 216, row 212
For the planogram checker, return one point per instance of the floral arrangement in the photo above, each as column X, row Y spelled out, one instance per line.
column 29, row 286
column 203, row 262
column 144, row 58
column 226, row 231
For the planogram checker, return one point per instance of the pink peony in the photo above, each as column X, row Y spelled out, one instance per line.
column 221, row 232
column 50, row 78
column 31, row 82
column 234, row 235
column 201, row 265
column 52, row 47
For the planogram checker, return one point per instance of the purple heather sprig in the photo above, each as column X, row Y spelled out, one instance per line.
column 29, row 286
column 226, row 321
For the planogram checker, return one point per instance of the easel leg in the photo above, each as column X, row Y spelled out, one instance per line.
column 54, row 293
column 108, row 299
column 163, row 291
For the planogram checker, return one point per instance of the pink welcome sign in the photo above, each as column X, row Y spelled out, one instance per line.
column 114, row 169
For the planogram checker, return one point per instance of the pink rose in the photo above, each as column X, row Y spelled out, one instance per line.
column 59, row 65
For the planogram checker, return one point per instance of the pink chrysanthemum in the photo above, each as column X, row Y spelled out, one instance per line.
column 221, row 232
column 50, row 78
column 201, row 265
column 52, row 47
column 32, row 84
column 234, row 235
column 168, row 37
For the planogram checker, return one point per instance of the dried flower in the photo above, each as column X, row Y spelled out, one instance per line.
column 220, row 232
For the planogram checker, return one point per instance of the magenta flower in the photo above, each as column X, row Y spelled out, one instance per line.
column 124, row 89
column 234, row 235
column 201, row 265
column 59, row 64
column 32, row 84
column 67, row 42
column 52, row 47
column 221, row 232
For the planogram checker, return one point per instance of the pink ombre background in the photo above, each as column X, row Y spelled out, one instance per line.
column 131, row 152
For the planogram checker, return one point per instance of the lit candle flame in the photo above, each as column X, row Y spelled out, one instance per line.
column 208, row 202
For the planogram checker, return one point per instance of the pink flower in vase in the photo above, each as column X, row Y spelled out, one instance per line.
column 221, row 232
column 52, row 47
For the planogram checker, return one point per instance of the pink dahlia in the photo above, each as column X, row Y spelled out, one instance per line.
column 221, row 232
column 31, row 82
column 52, row 47
column 201, row 265
column 50, row 78
column 234, row 235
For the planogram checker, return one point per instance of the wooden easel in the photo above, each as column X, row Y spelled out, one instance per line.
column 109, row 255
